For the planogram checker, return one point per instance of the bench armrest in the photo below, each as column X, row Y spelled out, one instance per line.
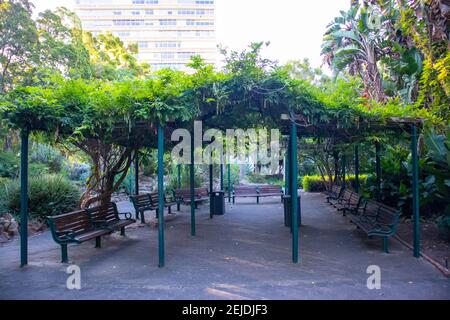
column 70, row 234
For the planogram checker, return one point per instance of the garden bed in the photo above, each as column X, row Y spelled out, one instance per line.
column 432, row 244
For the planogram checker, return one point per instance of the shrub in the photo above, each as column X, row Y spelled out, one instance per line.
column 4, row 181
column 316, row 183
column 79, row 171
column 9, row 165
column 48, row 195
column 47, row 155
column 265, row 179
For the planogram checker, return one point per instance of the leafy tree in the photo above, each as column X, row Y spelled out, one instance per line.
column 18, row 41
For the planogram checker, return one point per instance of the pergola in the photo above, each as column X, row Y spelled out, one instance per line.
column 290, row 121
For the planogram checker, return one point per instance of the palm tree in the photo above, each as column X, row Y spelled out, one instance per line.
column 354, row 42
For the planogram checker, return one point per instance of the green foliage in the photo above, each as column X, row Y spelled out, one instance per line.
column 48, row 195
column 316, row 183
column 9, row 165
column 185, row 178
column 265, row 179
column 48, row 156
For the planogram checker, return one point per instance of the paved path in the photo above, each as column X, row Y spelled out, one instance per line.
column 244, row 254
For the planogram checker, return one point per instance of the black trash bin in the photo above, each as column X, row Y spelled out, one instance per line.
column 218, row 202
column 287, row 210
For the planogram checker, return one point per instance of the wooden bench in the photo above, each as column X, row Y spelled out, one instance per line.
column 342, row 200
column 74, row 227
column 148, row 202
column 269, row 191
column 245, row 192
column 377, row 219
column 107, row 217
column 334, row 193
column 184, row 196
column 353, row 203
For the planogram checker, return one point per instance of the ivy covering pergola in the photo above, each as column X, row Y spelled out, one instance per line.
column 142, row 114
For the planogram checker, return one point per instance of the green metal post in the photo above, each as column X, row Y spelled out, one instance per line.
column 136, row 174
column 24, row 198
column 179, row 176
column 294, row 190
column 378, row 168
column 221, row 177
column 211, row 191
column 344, row 164
column 415, row 190
column 286, row 173
column 161, row 195
column 356, row 169
column 229, row 181
column 192, row 186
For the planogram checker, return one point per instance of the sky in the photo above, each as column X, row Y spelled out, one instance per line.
column 293, row 27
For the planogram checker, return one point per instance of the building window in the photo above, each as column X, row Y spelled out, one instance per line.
column 185, row 55
column 186, row 12
column 117, row 13
column 168, row 22
column 167, row 44
column 135, row 13
column 148, row 12
column 167, row 55
column 190, row 22
column 142, row 44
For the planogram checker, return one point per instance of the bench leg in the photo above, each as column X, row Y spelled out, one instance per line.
column 122, row 231
column 64, row 255
column 386, row 244
column 257, row 200
column 234, row 200
column 196, row 205
column 98, row 242
column 170, row 209
column 142, row 217
column 157, row 213
column 178, row 206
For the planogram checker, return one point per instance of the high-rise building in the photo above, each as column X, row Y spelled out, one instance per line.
column 168, row 32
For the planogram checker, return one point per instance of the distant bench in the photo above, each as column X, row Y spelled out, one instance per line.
column 88, row 224
column 257, row 192
column 149, row 202
column 201, row 194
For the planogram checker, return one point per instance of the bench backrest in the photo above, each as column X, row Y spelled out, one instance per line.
column 201, row 192
column 336, row 188
column 269, row 189
column 141, row 201
column 346, row 196
column 182, row 193
column 354, row 199
column 387, row 215
column 106, row 213
column 245, row 189
column 75, row 222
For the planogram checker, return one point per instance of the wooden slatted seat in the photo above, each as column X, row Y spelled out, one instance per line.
column 353, row 203
column 142, row 203
column 201, row 194
column 74, row 227
column 344, row 200
column 334, row 193
column 245, row 192
column 154, row 200
column 377, row 219
column 269, row 191
column 108, row 217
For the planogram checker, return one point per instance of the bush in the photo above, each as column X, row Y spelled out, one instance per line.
column 79, row 171
column 47, row 155
column 263, row 179
column 48, row 195
column 9, row 165
column 4, row 181
column 316, row 183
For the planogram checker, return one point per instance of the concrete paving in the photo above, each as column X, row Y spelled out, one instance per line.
column 244, row 254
